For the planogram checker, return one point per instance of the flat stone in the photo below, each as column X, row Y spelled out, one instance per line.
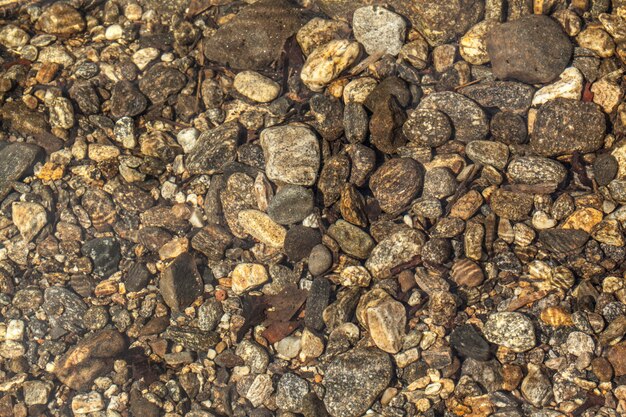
column 36, row 392
column 256, row 87
column 486, row 152
column 510, row 329
column 394, row 250
column 214, row 149
column 127, row 100
column 510, row 96
column 378, row 30
column 351, row 239
column 291, row 204
column 260, row 226
column 532, row 49
column 396, row 183
column 617, row 358
column 16, row 162
column 427, row 127
column 300, row 241
column 386, row 323
column 290, row 391
column 354, row 380
column 511, row 205
column 180, row 283
column 468, row 342
column 29, row 218
column 535, row 170
column 160, row 82
column 292, row 154
column 105, row 254
column 61, row 19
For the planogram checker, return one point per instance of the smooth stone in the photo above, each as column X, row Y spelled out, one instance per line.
column 214, row 149
column 105, row 254
column 291, row 204
column 246, row 276
column 17, row 161
column 512, row 330
column 326, row 62
column 379, row 30
column 468, row 342
column 535, row 170
column 487, row 152
column 320, row 260
column 180, row 283
column 61, row 19
column 13, row 37
column 386, row 323
column 29, row 218
column 393, row 251
column 509, row 96
column 351, row 239
column 261, row 227
column 256, row 87
column 300, row 241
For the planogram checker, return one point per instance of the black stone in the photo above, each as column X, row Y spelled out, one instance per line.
column 137, row 277
column 605, row 168
column 316, row 302
column 105, row 254
column 299, row 242
column 469, row 343
column 16, row 162
column 180, row 282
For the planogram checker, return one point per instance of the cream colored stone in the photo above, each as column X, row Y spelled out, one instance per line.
column 256, row 87
column 328, row 61
column 569, row 85
column 357, row 90
column 473, row 45
column 260, row 226
column 598, row 40
column 386, row 322
column 246, row 276
column 607, row 94
column 318, row 31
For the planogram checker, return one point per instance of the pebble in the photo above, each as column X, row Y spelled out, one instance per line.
column 394, row 250
column 351, row 239
column 29, row 218
column 246, row 276
column 214, row 149
column 579, row 343
column 439, row 183
column 532, row 49
column 536, row 386
column 61, row 19
column 292, row 154
column 511, row 205
column 510, row 329
column 105, row 254
column 13, row 37
column 144, row 56
column 300, row 241
column 114, row 32
column 290, row 391
column 320, row 260
column 87, row 403
column 473, row 45
column 487, row 152
column 256, row 87
column 507, row 96
column 379, row 30
column 535, row 170
column 441, row 22
column 396, row 183
column 354, row 379
column 386, row 322
column 597, row 40
column 607, row 94
column 565, row 126
column 468, row 342
column 260, row 226
column 36, row 392
column 180, row 283
column 427, row 127
column 326, row 62
column 317, row 32
column 569, row 85
column 357, row 90
column 316, row 302
column 127, row 100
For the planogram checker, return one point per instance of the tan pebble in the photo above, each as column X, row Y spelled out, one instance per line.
column 583, row 219
column 466, row 272
column 246, row 276
column 556, row 316
column 260, row 226
column 466, row 206
column 524, row 235
column 473, row 45
column 328, row 61
column 598, row 40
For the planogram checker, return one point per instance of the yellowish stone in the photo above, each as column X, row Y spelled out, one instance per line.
column 583, row 219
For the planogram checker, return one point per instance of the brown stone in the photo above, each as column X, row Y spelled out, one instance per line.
column 396, row 183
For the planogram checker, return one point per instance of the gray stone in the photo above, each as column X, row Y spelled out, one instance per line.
column 378, row 30
column 105, row 254
column 486, row 152
column 291, row 204
column 64, row 308
column 510, row 329
column 290, row 391
column 535, row 170
column 396, row 249
column 352, row 240
column 180, row 282
column 507, row 96
column 16, row 161
column 214, row 149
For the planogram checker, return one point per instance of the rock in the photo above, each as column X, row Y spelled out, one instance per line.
column 13, row 37
column 566, row 126
column 385, row 125
column 105, row 254
column 317, row 32
column 351, row 239
column 260, row 389
column 65, row 309
column 260, row 226
column 326, row 62
column 386, row 323
column 511, row 205
column 248, row 41
column 469, row 343
column 569, row 85
column 358, row 90
column 256, row 87
column 508, row 128
column 327, row 112
column 467, row 273
column 238, row 195
column 320, row 260
column 354, row 380
column 292, row 154
column 99, row 152
column 597, row 40
column 160, row 81
column 61, row 19
column 487, row 152
column 607, row 94
column 290, row 391
column 487, row 374
column 563, row 241
column 16, row 161
column 393, row 251
column 127, row 100
column 396, row 183
column 439, row 183
column 36, row 392
column 536, row 386
column 87, row 403
column 535, row 170
column 90, row 358
column 507, row 96
column 608, row 232
column 29, row 218
column 378, row 30
column 291, row 204
column 617, row 358
column 468, row 119
column 605, row 169
column 180, row 283
column 333, row 176
column 214, row 149
column 246, row 276
column 510, row 329
column 533, row 49
column 355, row 122
column 316, row 302
column 602, row 369
column 473, row 45
column 427, row 127
column 300, row 241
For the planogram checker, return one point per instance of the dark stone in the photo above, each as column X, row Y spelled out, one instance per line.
column 160, row 82
column 214, row 150
column 64, row 309
column 469, row 343
column 105, row 254
column 509, row 128
column 299, row 242
column 328, row 114
column 488, row 374
column 139, row 406
column 508, row 96
column 386, row 126
column 180, row 282
column 312, row 406
column 248, row 41
column 533, row 49
column 563, row 241
column 127, row 100
column 16, row 162
column 387, row 88
column 85, row 96
column 316, row 302
column 565, row 126
column 355, row 122
column 291, row 204
column 605, row 168
column 191, row 338
column 137, row 277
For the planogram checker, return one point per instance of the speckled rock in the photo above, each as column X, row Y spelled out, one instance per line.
column 510, row 329
column 536, row 170
column 393, row 251
column 326, row 62
column 378, row 29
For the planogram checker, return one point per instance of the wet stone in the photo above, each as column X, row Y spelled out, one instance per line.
column 535, row 170
column 16, row 161
column 127, row 100
column 532, row 49
column 160, row 81
column 214, row 149
column 351, row 239
column 486, row 152
column 180, row 283
column 291, row 204
column 509, row 96
column 64, row 308
column 300, row 241
column 512, row 330
column 61, row 19
column 427, row 127
column 468, row 342
column 509, row 128
column 355, row 122
column 378, row 30
column 104, row 253
column 396, row 183
column 320, row 260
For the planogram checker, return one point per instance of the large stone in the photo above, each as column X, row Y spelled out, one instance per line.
column 291, row 204
column 61, row 19
column 533, row 49
column 16, row 161
column 292, row 154
column 214, row 149
column 565, row 126
column 535, row 170
column 29, row 218
column 386, row 323
column 260, row 226
column 378, row 30
column 248, row 41
column 180, row 283
column 512, row 330
column 354, row 380
column 510, row 96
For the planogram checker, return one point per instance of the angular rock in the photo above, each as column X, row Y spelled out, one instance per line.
column 17, row 161
column 393, row 251
column 469, row 343
column 160, row 81
column 29, row 218
column 386, row 323
column 378, row 30
column 569, row 85
column 246, row 276
column 511, row 205
column 214, row 149
column 396, row 183
column 180, row 283
column 64, row 308
column 326, row 62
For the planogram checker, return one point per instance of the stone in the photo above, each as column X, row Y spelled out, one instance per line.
column 427, row 127
column 583, row 219
column 355, row 275
column 65, row 309
column 13, row 37
column 248, row 42
column 487, row 152
column 535, row 170
column 468, row 342
column 439, row 182
column 379, row 30
column 292, row 154
column 90, row 358
column 36, row 392
column 579, row 343
column 300, row 241
column 159, row 82
column 29, row 218
column 333, row 176
column 355, row 122
column 326, row 62
column 180, row 283
column 385, row 125
column 214, row 149
column 320, row 260
column 487, row 374
column 511, row 205
column 358, row 90
column 87, row 403
column 608, row 232
column 61, row 19
column 291, row 204
column 393, row 251
column 260, row 390
column 316, row 302
column 467, row 273
column 317, row 32
column 536, row 386
column 507, row 96
column 473, row 45
column 256, row 87
column 617, row 357
column 246, row 276
column 289, row 392
column 386, row 323
column 99, row 152
column 289, row 347
column 396, row 183
column 569, row 85
column 607, row 94
column 260, row 226
column 468, row 119
column 127, row 100
column 16, row 161
column 352, row 240
column 597, row 40
column 105, row 254
column 354, row 380
column 509, row 128
column 510, row 329
column 532, row 49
